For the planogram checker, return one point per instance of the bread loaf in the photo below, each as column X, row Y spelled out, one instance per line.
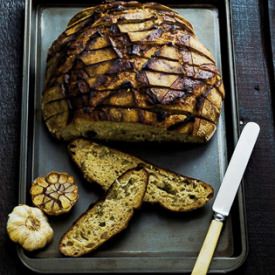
column 133, row 72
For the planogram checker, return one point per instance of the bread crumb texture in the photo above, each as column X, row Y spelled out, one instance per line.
column 108, row 217
column 102, row 164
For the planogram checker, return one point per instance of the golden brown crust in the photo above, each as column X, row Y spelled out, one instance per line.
column 177, row 127
column 129, row 55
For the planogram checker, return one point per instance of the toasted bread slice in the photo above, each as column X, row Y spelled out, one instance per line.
column 108, row 217
column 103, row 165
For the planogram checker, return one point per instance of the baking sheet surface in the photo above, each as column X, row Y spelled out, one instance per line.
column 153, row 231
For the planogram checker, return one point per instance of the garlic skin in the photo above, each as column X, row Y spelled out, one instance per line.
column 29, row 227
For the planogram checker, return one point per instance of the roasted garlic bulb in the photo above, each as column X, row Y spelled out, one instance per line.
column 28, row 226
column 54, row 194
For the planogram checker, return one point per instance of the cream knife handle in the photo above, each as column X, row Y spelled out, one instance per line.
column 208, row 248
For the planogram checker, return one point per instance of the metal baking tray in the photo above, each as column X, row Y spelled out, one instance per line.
column 156, row 240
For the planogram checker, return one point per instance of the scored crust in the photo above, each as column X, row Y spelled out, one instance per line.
column 142, row 58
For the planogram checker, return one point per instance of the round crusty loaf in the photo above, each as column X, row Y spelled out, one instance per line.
column 134, row 72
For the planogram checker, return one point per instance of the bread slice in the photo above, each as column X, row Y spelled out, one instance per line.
column 108, row 217
column 103, row 165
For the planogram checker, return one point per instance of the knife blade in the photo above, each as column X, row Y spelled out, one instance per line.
column 226, row 195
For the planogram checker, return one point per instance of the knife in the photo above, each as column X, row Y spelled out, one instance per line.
column 226, row 195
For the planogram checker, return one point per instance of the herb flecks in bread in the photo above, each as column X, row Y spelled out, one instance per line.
column 102, row 165
column 108, row 217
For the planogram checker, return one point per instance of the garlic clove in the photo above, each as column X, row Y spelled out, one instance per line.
column 19, row 211
column 63, row 179
column 19, row 234
column 34, row 241
column 70, row 189
column 52, row 178
column 65, row 202
column 41, row 182
column 71, row 196
column 55, row 207
column 17, row 219
column 37, row 190
column 38, row 199
column 70, row 179
column 47, row 231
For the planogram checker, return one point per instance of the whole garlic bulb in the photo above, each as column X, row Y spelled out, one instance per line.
column 29, row 227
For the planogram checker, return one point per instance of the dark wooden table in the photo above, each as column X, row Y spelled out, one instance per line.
column 254, row 41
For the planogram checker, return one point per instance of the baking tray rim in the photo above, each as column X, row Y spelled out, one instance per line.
column 219, row 264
